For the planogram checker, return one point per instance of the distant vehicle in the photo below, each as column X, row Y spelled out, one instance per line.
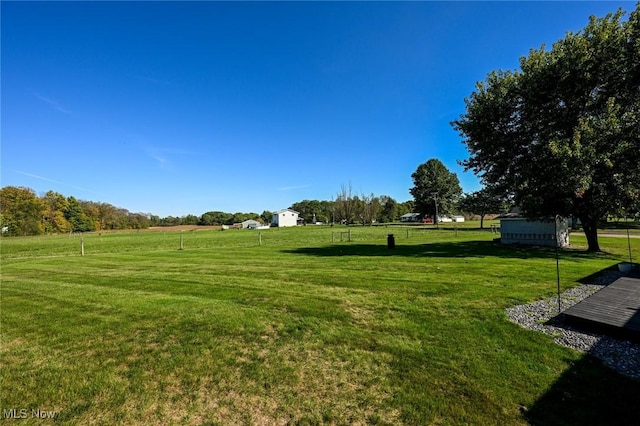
column 427, row 220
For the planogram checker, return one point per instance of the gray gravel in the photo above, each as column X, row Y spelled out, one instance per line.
column 621, row 355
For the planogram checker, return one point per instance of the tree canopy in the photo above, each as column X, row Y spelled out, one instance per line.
column 314, row 210
column 22, row 212
column 561, row 136
column 483, row 202
column 435, row 185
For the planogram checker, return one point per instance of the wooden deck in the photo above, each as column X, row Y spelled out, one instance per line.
column 615, row 307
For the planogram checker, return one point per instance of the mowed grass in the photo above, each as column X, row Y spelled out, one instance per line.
column 298, row 330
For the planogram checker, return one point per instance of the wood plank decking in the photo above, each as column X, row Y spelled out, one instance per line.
column 616, row 307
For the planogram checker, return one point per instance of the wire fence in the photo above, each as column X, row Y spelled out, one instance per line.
column 87, row 244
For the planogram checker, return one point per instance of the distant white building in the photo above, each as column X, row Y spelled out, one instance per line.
column 286, row 217
column 250, row 224
column 410, row 217
column 458, row 218
column 518, row 230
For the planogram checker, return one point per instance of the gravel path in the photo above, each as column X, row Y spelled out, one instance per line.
column 621, row 355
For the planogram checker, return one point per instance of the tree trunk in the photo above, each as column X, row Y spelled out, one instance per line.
column 590, row 227
column 481, row 221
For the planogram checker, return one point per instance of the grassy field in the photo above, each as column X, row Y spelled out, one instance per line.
column 297, row 330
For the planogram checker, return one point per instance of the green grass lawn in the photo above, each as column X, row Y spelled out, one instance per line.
column 298, row 330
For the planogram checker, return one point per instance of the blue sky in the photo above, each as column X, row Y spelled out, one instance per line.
column 183, row 108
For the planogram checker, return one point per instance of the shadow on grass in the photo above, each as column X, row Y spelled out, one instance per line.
column 604, row 276
column 588, row 394
column 447, row 249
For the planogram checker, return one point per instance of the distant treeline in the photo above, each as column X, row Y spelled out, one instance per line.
column 349, row 208
column 23, row 212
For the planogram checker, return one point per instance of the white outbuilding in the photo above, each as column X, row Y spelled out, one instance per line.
column 518, row 230
column 250, row 224
column 410, row 217
column 286, row 217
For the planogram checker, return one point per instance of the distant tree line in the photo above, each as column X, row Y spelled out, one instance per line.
column 23, row 212
column 348, row 208
column 211, row 218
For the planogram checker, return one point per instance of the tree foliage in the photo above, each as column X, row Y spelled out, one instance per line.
column 344, row 205
column 364, row 209
column 54, row 220
column 266, row 216
column 80, row 222
column 216, row 218
column 562, row 134
column 21, row 211
column 239, row 217
column 368, row 209
column 404, row 208
column 388, row 209
column 309, row 210
column 435, row 185
column 482, row 203
column 24, row 213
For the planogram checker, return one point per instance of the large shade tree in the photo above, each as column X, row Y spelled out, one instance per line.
column 562, row 134
column 434, row 185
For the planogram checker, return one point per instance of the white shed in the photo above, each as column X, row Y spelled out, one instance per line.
column 286, row 217
column 410, row 217
column 518, row 230
column 250, row 224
